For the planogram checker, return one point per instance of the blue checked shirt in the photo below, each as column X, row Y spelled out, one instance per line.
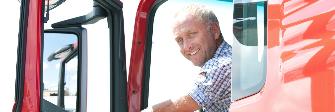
column 212, row 89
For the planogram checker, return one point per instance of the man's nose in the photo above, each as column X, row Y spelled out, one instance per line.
column 187, row 46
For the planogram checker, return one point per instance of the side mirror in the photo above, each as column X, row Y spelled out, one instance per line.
column 64, row 70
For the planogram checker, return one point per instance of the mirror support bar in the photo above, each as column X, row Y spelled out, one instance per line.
column 46, row 18
column 97, row 14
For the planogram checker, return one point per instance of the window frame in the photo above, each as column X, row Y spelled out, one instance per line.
column 242, row 94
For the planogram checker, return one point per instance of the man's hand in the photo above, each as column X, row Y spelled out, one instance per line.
column 183, row 104
column 149, row 109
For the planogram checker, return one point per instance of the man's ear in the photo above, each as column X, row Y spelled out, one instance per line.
column 216, row 30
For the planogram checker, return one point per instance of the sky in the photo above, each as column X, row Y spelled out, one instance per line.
column 52, row 43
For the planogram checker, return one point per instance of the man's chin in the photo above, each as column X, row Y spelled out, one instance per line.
column 197, row 64
column 196, row 61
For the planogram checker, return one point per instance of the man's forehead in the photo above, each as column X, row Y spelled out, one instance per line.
column 183, row 17
column 184, row 21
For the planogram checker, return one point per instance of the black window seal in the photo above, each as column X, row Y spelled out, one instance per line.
column 19, row 81
column 118, row 71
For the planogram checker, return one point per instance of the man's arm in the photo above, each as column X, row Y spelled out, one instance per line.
column 183, row 104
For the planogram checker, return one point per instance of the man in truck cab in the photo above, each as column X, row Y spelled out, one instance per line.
column 196, row 30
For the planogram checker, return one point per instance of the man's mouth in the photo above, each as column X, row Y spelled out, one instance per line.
column 195, row 52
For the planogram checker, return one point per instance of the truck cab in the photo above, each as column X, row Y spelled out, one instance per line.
column 96, row 60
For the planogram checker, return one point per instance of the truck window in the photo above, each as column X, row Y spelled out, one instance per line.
column 243, row 26
column 249, row 48
column 60, row 68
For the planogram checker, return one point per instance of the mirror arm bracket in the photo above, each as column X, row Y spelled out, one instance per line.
column 46, row 18
column 97, row 14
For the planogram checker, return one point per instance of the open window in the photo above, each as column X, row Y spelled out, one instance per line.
column 249, row 48
column 163, row 71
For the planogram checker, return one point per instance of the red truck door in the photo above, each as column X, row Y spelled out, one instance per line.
column 30, row 86
column 28, row 72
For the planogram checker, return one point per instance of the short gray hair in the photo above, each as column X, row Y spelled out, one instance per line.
column 200, row 12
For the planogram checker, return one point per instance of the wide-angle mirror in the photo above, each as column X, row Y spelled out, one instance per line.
column 60, row 71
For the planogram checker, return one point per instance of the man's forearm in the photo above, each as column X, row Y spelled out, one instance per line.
column 183, row 104
column 166, row 106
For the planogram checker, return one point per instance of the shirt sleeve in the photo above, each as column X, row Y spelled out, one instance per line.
column 212, row 90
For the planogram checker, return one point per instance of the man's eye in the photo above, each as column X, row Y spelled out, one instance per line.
column 191, row 35
column 179, row 41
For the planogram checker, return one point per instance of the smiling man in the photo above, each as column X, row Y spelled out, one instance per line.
column 196, row 30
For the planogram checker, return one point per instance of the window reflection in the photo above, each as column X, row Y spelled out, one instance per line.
column 60, row 67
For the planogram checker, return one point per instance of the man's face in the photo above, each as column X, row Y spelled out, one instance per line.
column 196, row 41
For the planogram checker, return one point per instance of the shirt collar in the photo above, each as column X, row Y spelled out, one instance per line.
column 223, row 50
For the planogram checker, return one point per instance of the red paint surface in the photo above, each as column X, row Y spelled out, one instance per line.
column 31, row 95
column 137, row 56
column 301, row 59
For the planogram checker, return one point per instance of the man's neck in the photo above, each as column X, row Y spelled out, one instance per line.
column 218, row 42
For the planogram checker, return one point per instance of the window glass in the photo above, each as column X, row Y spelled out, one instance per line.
column 60, row 67
column 249, row 49
column 70, row 93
